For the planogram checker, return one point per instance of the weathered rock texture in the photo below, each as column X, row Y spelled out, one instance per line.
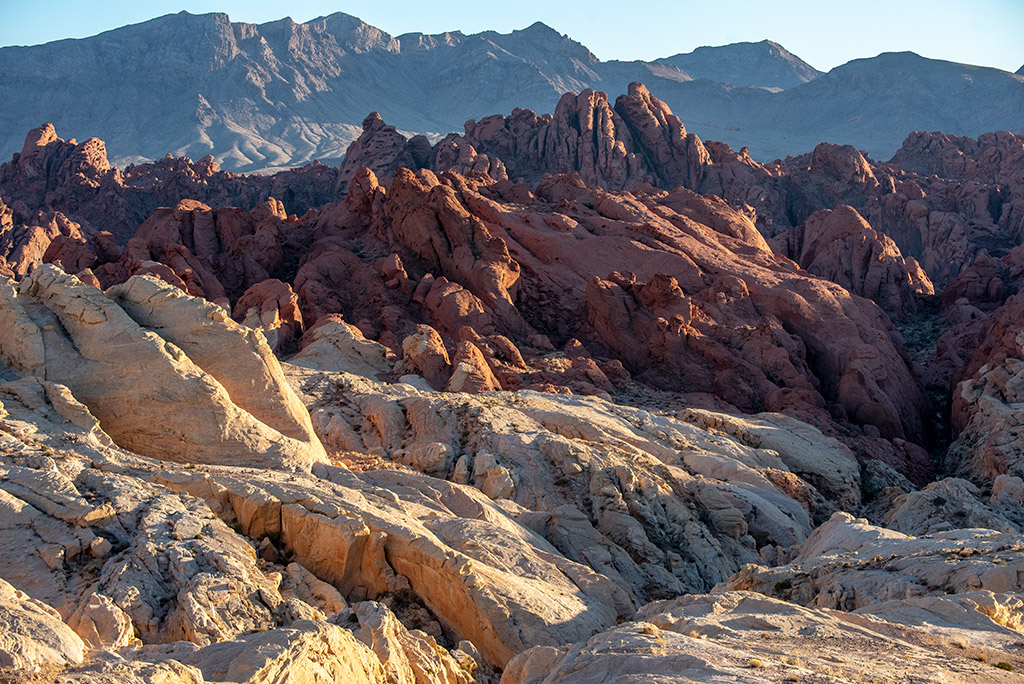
column 988, row 404
column 452, row 537
column 108, row 558
column 514, row 414
column 839, row 245
column 703, row 307
column 744, row 637
column 55, row 175
column 220, row 380
column 847, row 564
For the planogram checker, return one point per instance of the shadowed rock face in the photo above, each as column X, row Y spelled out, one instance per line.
column 494, row 565
column 839, row 245
column 637, row 141
column 51, row 174
column 986, row 402
column 703, row 307
column 942, row 223
column 704, row 298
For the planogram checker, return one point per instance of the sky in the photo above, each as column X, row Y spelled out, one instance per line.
column 824, row 34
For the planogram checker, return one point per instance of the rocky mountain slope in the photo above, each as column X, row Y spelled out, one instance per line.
column 765, row 64
column 563, row 399
column 281, row 94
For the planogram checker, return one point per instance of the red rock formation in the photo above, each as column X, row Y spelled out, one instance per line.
column 986, row 414
column 940, row 221
column 424, row 354
column 470, row 372
column 637, row 141
column 217, row 254
column 76, row 179
column 710, row 308
column 992, row 158
column 676, row 158
column 272, row 306
column 48, row 237
column 383, row 150
column 683, row 290
column 691, row 330
column 839, row 245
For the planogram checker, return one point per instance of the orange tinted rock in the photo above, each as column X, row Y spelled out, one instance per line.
column 272, row 306
column 470, row 372
column 424, row 354
column 838, row 244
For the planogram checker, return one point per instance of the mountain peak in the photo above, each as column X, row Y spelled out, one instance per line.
column 540, row 28
column 540, row 43
column 765, row 64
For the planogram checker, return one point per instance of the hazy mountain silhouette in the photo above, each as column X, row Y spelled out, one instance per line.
column 281, row 93
column 765, row 64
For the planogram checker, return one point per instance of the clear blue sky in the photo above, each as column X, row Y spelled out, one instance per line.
column 825, row 34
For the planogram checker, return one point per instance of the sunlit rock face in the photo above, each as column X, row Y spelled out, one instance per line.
column 564, row 398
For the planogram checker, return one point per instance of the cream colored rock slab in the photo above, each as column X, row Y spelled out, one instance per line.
column 340, row 346
column 305, row 653
column 32, row 634
column 742, row 637
column 111, row 363
column 823, row 461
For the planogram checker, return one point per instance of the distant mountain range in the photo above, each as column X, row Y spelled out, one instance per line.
column 765, row 64
column 282, row 94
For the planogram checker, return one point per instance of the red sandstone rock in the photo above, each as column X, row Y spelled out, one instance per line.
column 272, row 306
column 383, row 150
column 45, row 238
column 708, row 307
column 77, row 180
column 839, row 245
column 470, row 372
column 986, row 414
column 677, row 158
column 424, row 354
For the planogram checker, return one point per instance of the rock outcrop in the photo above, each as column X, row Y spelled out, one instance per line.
column 452, row 536
column 744, row 637
column 592, row 426
column 839, row 245
column 638, row 140
column 55, row 175
column 986, row 406
column 220, row 380
column 122, row 577
column 848, row 564
column 32, row 634
column 710, row 308
column 272, row 306
column 383, row 150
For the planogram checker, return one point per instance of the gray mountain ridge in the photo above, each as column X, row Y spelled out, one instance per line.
column 765, row 64
column 279, row 94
